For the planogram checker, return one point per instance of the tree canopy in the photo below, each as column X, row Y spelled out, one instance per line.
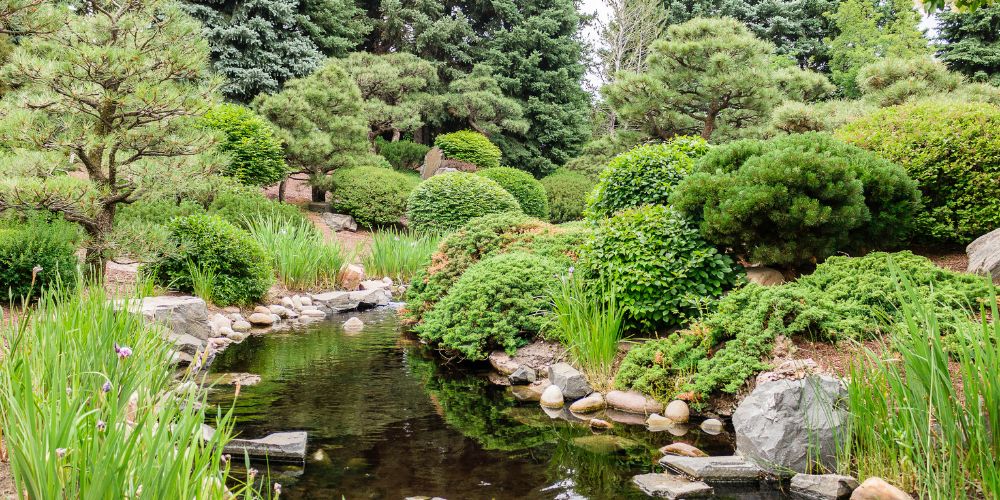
column 971, row 42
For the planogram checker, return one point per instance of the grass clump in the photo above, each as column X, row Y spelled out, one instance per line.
column 399, row 254
column 301, row 259
column 588, row 319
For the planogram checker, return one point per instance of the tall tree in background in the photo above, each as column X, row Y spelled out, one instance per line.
column 337, row 27
column 634, row 25
column 435, row 30
column 971, row 42
column 477, row 100
column 399, row 91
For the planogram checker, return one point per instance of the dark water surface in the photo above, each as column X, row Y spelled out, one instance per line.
column 385, row 420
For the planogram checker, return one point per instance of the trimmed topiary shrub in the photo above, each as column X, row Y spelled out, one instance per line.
column 374, row 196
column 795, row 200
column 257, row 158
column 402, row 155
column 242, row 270
column 567, row 192
column 890, row 81
column 239, row 205
column 665, row 272
column 446, row 201
column 499, row 303
column 469, row 146
column 35, row 256
column 528, row 192
column 952, row 149
column 645, row 175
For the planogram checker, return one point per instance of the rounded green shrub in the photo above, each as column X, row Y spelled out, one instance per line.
column 374, row 196
column 237, row 205
column 645, row 175
column 35, row 256
column 498, row 303
column 665, row 272
column 242, row 269
column 952, row 150
column 257, row 158
column 567, row 192
column 795, row 200
column 469, row 146
column 446, row 201
column 402, row 155
column 528, row 192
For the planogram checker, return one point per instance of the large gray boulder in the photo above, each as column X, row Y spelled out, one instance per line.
column 784, row 425
column 339, row 222
column 984, row 254
column 573, row 384
column 183, row 315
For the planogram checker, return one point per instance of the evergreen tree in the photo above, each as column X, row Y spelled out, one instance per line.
column 398, row 91
column 337, row 27
column 432, row 29
column 477, row 100
column 970, row 42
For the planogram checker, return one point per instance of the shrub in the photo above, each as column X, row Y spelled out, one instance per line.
column 662, row 367
column 567, row 192
column 529, row 193
column 795, row 117
column 446, row 201
column 663, row 270
column 891, row 81
column 242, row 269
column 952, row 149
column 373, row 196
column 402, row 155
column 238, row 205
column 35, row 256
column 469, row 146
column 795, row 200
column 298, row 253
column 644, row 175
column 499, row 302
column 257, row 158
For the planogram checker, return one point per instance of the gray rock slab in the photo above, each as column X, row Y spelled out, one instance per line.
column 732, row 469
column 277, row 446
column 337, row 301
column 186, row 343
column 823, row 486
column 662, row 485
column 183, row 315
column 984, row 254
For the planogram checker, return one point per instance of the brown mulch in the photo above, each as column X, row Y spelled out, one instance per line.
column 948, row 257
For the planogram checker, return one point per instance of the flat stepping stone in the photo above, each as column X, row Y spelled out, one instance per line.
column 280, row 446
column 663, row 485
column 714, row 469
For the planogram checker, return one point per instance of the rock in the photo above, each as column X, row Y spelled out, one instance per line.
column 237, row 336
column 287, row 302
column 277, row 446
column 354, row 324
column 530, row 393
column 186, row 343
column 351, row 277
column 231, row 310
column 243, row 379
column 219, row 322
column 657, row 422
column 432, row 162
column 340, row 222
column 497, row 379
column 183, row 315
column 241, row 326
column 552, row 397
column 262, row 310
column 371, row 298
column 337, row 301
column 984, row 255
column 714, row 469
column 672, row 487
column 502, row 363
column 314, row 313
column 823, row 486
column 712, row 426
column 572, row 383
column 261, row 319
column 604, row 443
column 765, row 276
column 305, row 301
column 181, row 358
column 792, row 369
column 523, row 375
column 589, row 404
column 374, row 285
column 784, row 425
column 875, row 488
column 624, row 417
column 279, row 311
column 598, row 424
column 677, row 411
column 633, row 402
column 682, row 450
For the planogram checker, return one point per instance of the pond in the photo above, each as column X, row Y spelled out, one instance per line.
column 386, row 420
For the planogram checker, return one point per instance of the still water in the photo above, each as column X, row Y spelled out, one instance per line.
column 386, row 420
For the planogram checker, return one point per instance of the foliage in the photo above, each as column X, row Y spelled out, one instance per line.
column 399, row 255
column 469, row 146
column 476, row 99
column 567, row 193
column 798, row 117
column 663, row 271
column 892, row 81
column 242, row 268
column 951, row 149
column 588, row 320
column 335, row 26
column 795, row 200
column 91, row 408
column 644, row 175
column 299, row 255
column 256, row 155
column 239, row 204
column 597, row 153
column 396, row 90
column 447, row 201
column 36, row 255
column 662, row 367
column 497, row 303
column 374, row 196
column 971, row 42
column 529, row 193
column 402, row 155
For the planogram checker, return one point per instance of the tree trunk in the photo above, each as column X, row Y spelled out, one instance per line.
column 318, row 195
column 95, row 259
column 706, row 133
column 281, row 189
column 396, row 134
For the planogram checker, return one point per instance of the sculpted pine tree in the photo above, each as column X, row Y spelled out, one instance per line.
column 397, row 90
column 476, row 99
column 112, row 90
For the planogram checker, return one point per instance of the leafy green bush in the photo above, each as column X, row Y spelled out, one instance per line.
column 238, row 205
column 663, row 270
column 797, row 199
column 662, row 367
column 952, row 149
column 567, row 192
column 529, row 193
column 402, row 155
column 35, row 256
column 256, row 153
column 644, row 175
column 373, row 196
column 469, row 146
column 446, row 201
column 497, row 303
column 242, row 269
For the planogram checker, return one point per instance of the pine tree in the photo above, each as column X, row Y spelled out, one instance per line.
column 398, row 91
column 971, row 42
column 477, row 100
column 337, row 27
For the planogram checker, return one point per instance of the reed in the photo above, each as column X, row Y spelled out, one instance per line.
column 398, row 254
column 301, row 259
column 589, row 320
